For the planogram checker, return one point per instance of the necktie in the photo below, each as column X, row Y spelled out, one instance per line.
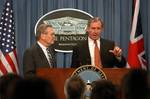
column 97, row 58
column 49, row 57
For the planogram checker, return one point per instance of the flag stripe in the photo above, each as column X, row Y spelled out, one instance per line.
column 10, row 61
column 5, row 63
column 2, row 68
column 133, row 50
column 14, row 59
column 134, row 23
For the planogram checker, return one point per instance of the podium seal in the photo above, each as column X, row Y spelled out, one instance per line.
column 89, row 73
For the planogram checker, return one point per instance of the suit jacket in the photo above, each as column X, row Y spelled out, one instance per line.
column 81, row 55
column 34, row 58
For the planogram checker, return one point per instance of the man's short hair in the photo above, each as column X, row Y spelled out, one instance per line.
column 136, row 85
column 74, row 87
column 103, row 89
column 95, row 19
column 41, row 29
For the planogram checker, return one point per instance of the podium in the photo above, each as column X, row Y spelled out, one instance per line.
column 58, row 76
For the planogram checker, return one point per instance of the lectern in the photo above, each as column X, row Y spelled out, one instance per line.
column 59, row 75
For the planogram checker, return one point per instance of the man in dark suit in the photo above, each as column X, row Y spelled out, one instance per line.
column 42, row 53
column 109, row 54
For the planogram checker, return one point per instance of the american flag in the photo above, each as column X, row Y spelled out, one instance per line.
column 136, row 52
column 8, row 56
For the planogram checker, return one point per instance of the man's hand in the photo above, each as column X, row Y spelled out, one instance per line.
column 116, row 51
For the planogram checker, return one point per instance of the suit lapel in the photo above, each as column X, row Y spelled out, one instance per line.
column 101, row 49
column 43, row 58
column 87, row 52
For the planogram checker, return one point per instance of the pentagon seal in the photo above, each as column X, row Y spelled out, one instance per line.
column 89, row 73
column 69, row 25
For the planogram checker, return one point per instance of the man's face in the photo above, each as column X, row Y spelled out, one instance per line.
column 94, row 30
column 49, row 37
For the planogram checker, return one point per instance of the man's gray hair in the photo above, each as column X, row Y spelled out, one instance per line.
column 41, row 30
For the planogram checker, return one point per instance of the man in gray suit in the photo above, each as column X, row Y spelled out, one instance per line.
column 42, row 53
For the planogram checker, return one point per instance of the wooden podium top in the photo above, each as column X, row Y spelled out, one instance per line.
column 59, row 75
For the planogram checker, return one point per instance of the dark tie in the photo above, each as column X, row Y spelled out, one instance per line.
column 50, row 59
column 97, row 58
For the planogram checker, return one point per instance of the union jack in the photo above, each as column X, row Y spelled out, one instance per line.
column 136, row 51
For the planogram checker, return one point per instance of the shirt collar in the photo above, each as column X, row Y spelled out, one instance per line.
column 92, row 41
column 41, row 45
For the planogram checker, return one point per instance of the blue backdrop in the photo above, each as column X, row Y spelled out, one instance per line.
column 116, row 15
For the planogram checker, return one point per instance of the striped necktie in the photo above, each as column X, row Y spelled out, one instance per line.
column 50, row 59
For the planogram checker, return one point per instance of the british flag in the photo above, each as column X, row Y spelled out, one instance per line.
column 136, row 51
column 8, row 56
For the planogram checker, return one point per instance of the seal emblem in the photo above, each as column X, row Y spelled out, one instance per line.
column 89, row 73
column 69, row 25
